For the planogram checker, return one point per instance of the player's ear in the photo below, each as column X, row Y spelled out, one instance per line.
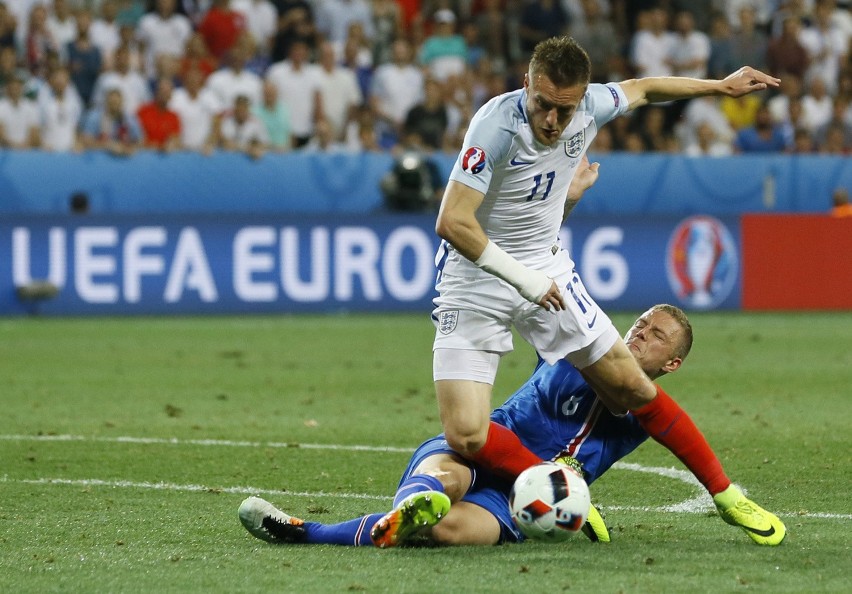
column 672, row 365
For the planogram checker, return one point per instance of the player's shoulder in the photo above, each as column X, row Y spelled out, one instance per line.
column 507, row 108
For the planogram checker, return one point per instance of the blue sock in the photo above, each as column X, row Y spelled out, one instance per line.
column 415, row 484
column 352, row 532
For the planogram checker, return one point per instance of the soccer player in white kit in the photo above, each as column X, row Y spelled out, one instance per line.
column 501, row 265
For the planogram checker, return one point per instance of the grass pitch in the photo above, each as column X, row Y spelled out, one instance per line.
column 127, row 445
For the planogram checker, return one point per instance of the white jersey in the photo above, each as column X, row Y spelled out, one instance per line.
column 525, row 182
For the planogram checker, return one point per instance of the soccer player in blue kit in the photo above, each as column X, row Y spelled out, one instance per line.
column 555, row 413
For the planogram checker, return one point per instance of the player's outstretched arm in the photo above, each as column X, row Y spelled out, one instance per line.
column 642, row 91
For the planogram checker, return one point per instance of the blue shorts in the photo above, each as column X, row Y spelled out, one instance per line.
column 486, row 490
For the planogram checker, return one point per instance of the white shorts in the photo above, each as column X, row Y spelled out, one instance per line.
column 478, row 314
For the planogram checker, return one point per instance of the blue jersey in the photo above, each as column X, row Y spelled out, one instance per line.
column 556, row 410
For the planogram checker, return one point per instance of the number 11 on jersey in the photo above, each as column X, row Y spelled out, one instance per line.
column 550, row 175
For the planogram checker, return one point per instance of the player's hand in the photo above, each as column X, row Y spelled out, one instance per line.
column 552, row 299
column 747, row 80
column 584, row 178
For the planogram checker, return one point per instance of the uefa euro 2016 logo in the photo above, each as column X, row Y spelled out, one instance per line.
column 701, row 262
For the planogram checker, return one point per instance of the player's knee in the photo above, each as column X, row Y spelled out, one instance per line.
column 466, row 443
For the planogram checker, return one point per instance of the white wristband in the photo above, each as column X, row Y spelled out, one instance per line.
column 531, row 284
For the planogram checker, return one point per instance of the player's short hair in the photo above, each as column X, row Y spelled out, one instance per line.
column 685, row 343
column 562, row 60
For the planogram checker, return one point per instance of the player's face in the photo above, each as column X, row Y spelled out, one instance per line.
column 550, row 108
column 652, row 340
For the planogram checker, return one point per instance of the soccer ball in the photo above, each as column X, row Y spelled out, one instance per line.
column 549, row 502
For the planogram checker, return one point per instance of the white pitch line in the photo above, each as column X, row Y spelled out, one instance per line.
column 701, row 503
column 206, row 442
column 161, row 486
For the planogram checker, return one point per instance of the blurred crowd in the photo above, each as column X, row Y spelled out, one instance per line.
column 394, row 75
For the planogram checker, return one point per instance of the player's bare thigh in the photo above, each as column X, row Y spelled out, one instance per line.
column 618, row 380
column 467, row 524
column 464, row 406
column 451, row 470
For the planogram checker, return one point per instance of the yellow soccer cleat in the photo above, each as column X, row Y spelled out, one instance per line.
column 736, row 509
column 595, row 527
column 414, row 513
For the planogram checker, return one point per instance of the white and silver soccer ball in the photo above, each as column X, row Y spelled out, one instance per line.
column 549, row 502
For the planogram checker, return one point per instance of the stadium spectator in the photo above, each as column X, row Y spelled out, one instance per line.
column 779, row 105
column 363, row 71
column 127, row 38
column 235, row 79
column 816, row 105
column 339, row 92
column 599, row 38
column 497, row 21
column 196, row 57
column 444, row 53
column 840, row 206
column 355, row 37
column 39, row 42
column 62, row 26
column 540, row 20
column 7, row 28
column 323, row 140
column 10, row 69
column 651, row 49
column 60, row 110
column 295, row 23
column 803, row 142
column 840, row 107
column 690, row 49
column 221, row 28
column 397, row 87
column 104, row 32
column 162, row 32
column 785, row 54
column 361, row 134
column 764, row 136
column 429, row 120
column 261, row 21
column 84, row 58
column 707, row 143
column 834, row 140
column 387, row 27
column 740, row 111
column 827, row 45
column 19, row 118
column 749, row 44
column 700, row 111
column 275, row 116
column 198, row 109
column 298, row 84
column 761, row 9
column 652, row 129
column 721, row 47
column 133, row 86
column 242, row 131
column 160, row 124
column 111, row 128
column 333, row 18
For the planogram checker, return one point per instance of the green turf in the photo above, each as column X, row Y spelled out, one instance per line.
column 771, row 392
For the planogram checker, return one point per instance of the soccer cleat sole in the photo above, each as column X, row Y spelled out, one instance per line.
column 266, row 522
column 416, row 512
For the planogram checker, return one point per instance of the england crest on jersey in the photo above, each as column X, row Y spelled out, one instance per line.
column 447, row 321
column 574, row 145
